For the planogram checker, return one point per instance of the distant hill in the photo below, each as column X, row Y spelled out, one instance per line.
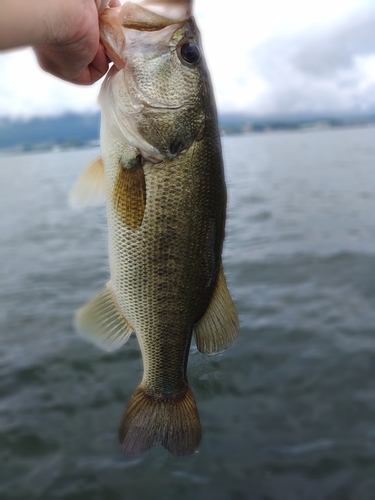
column 44, row 132
column 75, row 130
column 234, row 123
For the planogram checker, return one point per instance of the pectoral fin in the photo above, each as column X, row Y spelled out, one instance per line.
column 89, row 187
column 218, row 329
column 130, row 191
column 102, row 322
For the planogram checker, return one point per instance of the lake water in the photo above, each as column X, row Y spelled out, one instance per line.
column 287, row 414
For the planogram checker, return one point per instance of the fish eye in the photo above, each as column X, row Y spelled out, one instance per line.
column 190, row 52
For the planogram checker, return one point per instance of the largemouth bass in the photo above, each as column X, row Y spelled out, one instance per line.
column 162, row 174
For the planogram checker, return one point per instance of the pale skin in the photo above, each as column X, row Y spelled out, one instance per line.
column 63, row 33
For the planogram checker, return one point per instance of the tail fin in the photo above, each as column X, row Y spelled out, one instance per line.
column 149, row 421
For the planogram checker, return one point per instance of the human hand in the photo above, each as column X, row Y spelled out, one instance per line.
column 73, row 51
column 65, row 33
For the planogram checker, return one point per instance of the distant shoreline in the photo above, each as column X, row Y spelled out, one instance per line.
column 295, row 124
column 75, row 131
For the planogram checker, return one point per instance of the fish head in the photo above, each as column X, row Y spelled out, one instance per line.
column 157, row 96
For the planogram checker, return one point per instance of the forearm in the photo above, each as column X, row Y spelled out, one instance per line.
column 36, row 22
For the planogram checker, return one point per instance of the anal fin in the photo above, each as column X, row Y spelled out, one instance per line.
column 218, row 329
column 102, row 322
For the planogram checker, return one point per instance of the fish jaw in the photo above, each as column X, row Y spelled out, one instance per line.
column 128, row 32
column 157, row 102
column 142, row 16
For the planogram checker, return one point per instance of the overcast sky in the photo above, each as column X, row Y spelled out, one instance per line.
column 265, row 57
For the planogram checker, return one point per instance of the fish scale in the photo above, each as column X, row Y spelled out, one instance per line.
column 166, row 202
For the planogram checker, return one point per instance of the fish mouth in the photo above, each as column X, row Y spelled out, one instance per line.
column 117, row 24
column 125, row 32
column 134, row 36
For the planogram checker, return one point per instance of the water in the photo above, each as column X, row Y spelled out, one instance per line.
column 287, row 414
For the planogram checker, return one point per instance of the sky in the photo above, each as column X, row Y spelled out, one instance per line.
column 266, row 57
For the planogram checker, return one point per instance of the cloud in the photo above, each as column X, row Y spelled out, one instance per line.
column 25, row 90
column 332, row 70
column 329, row 53
column 270, row 57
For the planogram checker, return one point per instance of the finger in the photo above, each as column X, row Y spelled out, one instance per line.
column 83, row 76
column 94, row 71
column 99, row 65
column 103, row 4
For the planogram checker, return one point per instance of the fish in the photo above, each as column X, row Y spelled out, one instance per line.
column 162, row 176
